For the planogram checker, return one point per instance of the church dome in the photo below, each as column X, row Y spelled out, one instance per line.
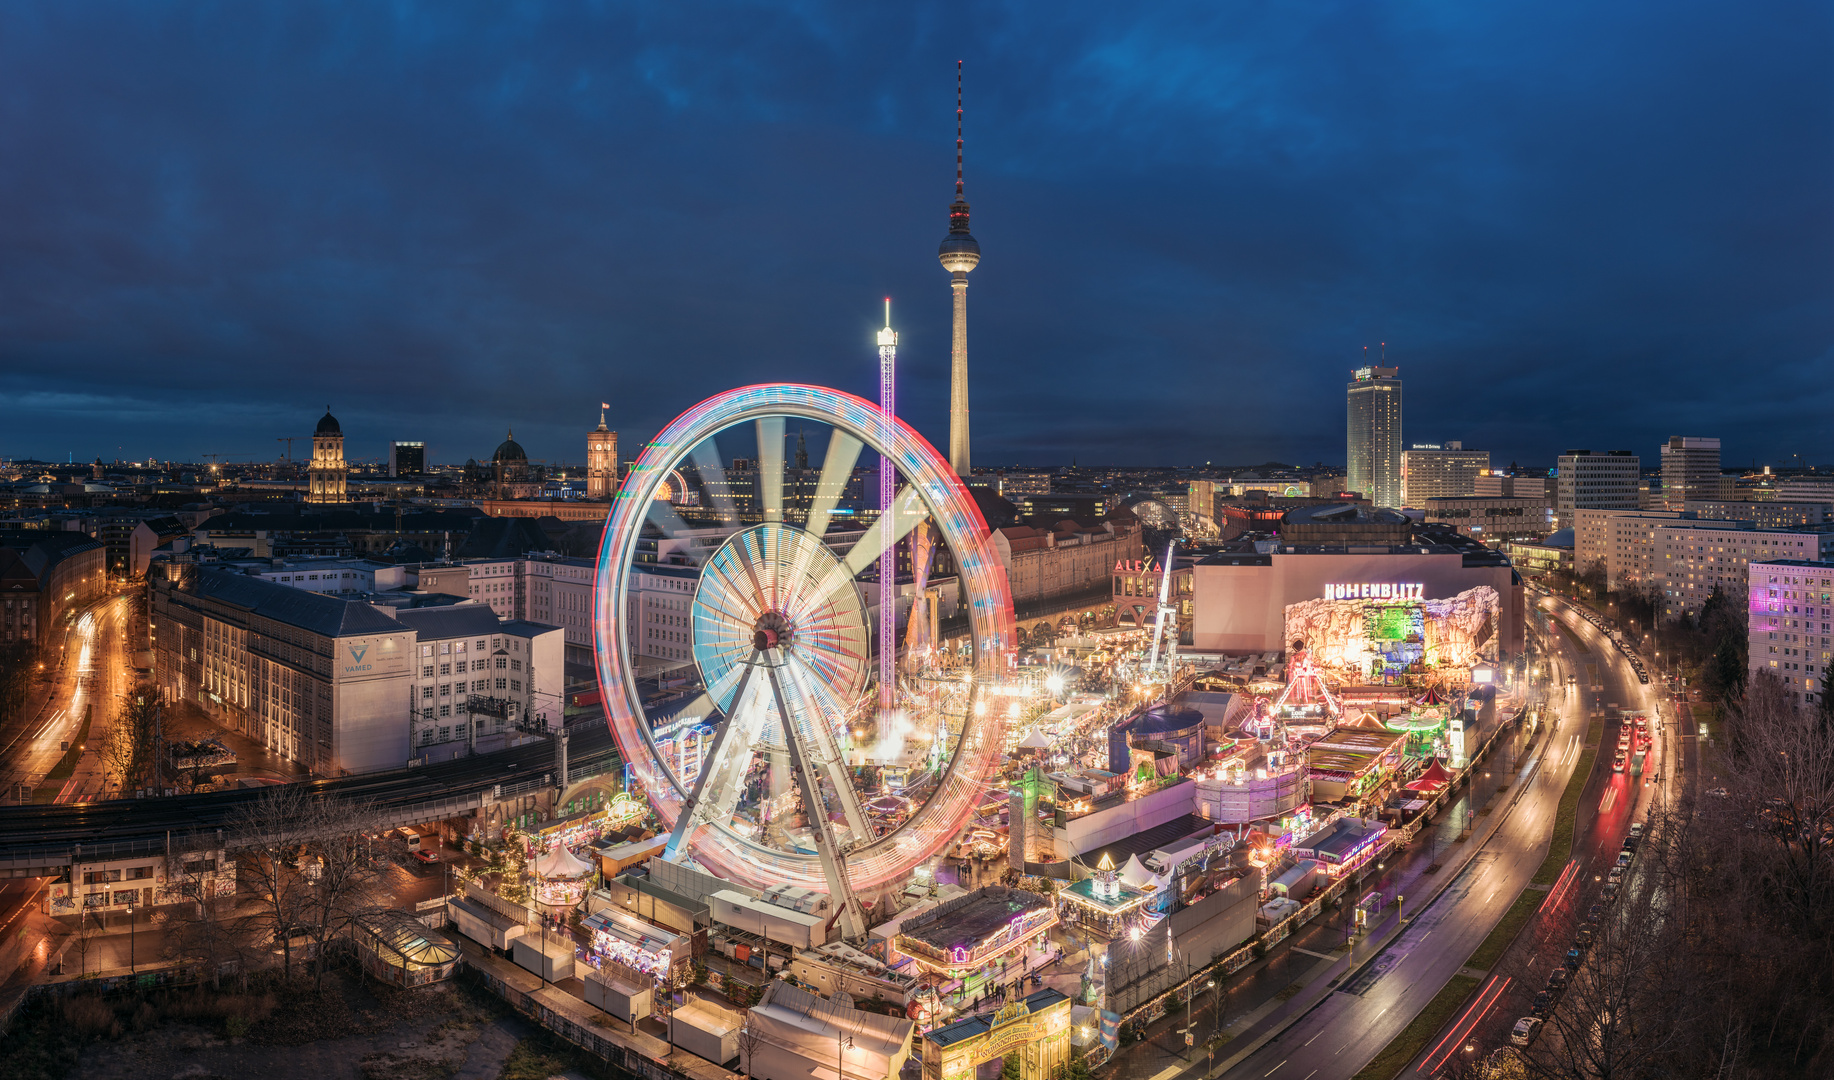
column 509, row 451
column 328, row 425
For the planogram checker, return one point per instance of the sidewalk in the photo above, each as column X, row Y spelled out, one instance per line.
column 1276, row 989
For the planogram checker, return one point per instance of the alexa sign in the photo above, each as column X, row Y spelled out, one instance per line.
column 1376, row 590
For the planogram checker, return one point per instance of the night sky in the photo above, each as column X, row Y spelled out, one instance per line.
column 1574, row 224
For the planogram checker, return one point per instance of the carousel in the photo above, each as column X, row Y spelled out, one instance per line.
column 562, row 879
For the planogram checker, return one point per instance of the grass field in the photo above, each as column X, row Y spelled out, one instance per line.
column 1406, row 1046
column 1561, row 847
column 1507, row 928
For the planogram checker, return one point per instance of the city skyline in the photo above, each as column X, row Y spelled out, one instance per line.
column 1502, row 202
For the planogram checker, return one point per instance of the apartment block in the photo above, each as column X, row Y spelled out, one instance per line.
column 1791, row 633
column 1765, row 515
column 1503, row 486
column 1623, row 540
column 1695, row 557
column 1588, row 480
column 1440, row 471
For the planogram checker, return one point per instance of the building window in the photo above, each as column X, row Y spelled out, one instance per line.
column 501, row 683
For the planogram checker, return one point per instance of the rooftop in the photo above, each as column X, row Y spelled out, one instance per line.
column 973, row 919
column 975, row 1026
column 324, row 615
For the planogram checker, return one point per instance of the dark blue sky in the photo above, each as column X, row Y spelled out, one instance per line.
column 1574, row 224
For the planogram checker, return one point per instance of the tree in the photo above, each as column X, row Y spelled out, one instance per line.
column 344, row 882
column 82, row 939
column 203, row 930
column 1011, row 1068
column 18, row 663
column 749, row 1041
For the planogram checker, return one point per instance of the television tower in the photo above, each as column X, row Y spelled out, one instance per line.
column 888, row 492
column 959, row 254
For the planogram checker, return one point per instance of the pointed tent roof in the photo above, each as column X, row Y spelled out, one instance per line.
column 561, row 864
column 1037, row 740
column 1434, row 777
column 1431, row 697
column 1135, row 874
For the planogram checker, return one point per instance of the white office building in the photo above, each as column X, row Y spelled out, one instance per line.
column 1440, row 471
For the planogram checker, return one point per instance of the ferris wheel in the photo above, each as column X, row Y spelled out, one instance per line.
column 735, row 654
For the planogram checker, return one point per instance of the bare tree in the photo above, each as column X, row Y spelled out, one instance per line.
column 346, row 883
column 749, row 1041
column 204, row 927
column 82, row 939
column 267, row 837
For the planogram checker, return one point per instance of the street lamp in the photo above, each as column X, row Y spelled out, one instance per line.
column 130, row 939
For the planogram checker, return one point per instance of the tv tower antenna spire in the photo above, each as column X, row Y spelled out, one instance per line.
column 959, row 254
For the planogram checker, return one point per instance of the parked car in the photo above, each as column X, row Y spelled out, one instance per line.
column 1616, row 875
column 1543, row 1004
column 1636, row 828
column 1524, row 1031
column 1573, row 957
column 1583, row 939
column 1610, row 890
column 1557, row 979
column 1623, row 859
column 1595, row 912
column 1630, row 843
column 1718, row 792
column 423, row 856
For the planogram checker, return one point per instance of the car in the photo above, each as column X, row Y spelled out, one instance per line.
column 1544, row 1004
column 1573, row 958
column 1623, row 741
column 1629, row 844
column 1583, row 939
column 422, row 855
column 1557, row 979
column 1610, row 890
column 1636, row 830
column 1615, row 876
column 1524, row 1031
column 1623, row 859
column 1617, row 764
column 1595, row 912
column 1718, row 792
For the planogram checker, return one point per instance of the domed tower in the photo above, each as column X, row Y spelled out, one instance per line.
column 959, row 254
column 510, row 469
column 327, row 475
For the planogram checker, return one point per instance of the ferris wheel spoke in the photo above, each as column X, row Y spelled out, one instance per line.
column 836, row 470
column 713, row 478
column 827, row 750
column 722, row 776
column 770, row 466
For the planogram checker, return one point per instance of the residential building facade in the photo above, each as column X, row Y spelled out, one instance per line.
column 45, row 574
column 1698, row 556
column 1623, row 541
column 478, row 680
column 1489, row 518
column 1791, row 621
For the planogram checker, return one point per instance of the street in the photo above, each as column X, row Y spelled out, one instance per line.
column 92, row 671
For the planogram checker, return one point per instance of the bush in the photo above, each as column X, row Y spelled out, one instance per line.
column 88, row 1018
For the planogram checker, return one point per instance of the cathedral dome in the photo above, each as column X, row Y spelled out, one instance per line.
column 510, row 451
column 328, row 425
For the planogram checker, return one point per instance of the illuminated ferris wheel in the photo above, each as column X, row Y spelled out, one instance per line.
column 735, row 655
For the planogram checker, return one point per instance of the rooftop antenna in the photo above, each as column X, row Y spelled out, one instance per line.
column 888, row 555
column 958, row 129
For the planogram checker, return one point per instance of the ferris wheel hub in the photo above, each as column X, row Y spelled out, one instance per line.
column 772, row 630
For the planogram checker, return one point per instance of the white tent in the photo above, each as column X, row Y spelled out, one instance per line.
column 561, row 865
column 1135, row 875
column 1037, row 740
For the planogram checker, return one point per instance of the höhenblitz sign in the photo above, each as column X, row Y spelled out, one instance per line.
column 1376, row 590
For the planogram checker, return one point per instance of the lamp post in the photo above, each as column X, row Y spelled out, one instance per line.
column 130, row 939
column 842, row 1044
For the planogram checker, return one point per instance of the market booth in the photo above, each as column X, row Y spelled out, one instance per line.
column 561, row 879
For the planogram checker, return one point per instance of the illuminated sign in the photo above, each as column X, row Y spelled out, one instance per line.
column 1136, row 566
column 1376, row 590
column 1362, row 374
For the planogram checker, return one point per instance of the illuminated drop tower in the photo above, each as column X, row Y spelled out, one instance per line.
column 959, row 254
column 888, row 488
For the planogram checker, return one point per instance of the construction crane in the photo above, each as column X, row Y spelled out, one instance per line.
column 288, row 439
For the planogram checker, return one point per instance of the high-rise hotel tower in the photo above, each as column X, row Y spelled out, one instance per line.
column 1374, row 435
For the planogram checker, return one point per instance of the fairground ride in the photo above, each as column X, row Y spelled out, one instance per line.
column 745, row 729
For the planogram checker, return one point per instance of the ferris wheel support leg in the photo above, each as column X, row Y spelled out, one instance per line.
column 829, row 759
column 700, row 808
column 848, row 912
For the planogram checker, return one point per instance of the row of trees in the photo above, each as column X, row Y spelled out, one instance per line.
column 307, row 868
column 1710, row 647
column 130, row 746
column 1718, row 958
column 18, row 663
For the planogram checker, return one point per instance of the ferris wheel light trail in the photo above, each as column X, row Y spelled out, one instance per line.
column 770, row 466
column 836, row 469
column 782, row 583
column 713, row 480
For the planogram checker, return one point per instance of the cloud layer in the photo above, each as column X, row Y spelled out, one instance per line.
column 1572, row 225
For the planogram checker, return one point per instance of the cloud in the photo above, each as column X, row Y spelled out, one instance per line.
column 1572, row 226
